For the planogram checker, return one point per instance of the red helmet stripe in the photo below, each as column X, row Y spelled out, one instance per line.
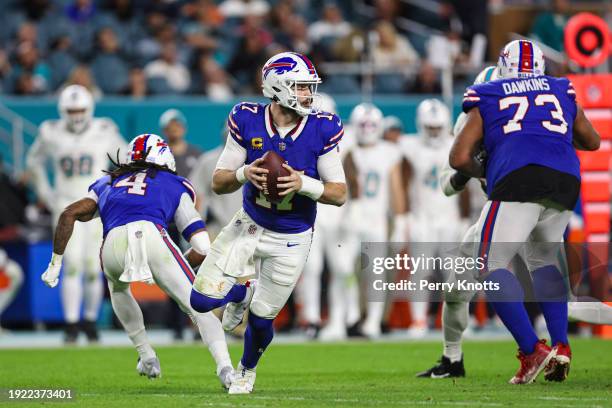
column 525, row 57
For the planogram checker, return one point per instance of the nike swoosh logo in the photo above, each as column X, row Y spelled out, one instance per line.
column 440, row 376
column 292, row 244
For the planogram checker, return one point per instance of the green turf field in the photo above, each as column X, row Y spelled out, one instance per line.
column 310, row 375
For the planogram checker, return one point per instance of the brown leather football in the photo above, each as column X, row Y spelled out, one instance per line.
column 273, row 162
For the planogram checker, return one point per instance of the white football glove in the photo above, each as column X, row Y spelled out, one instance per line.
column 51, row 275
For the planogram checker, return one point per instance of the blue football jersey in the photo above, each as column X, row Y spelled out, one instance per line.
column 251, row 125
column 526, row 122
column 140, row 197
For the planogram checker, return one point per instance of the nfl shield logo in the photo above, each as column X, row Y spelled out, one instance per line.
column 252, row 229
column 282, row 146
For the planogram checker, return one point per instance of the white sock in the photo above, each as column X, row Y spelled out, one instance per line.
column 72, row 294
column 455, row 317
column 213, row 336
column 375, row 313
column 418, row 310
column 336, row 301
column 127, row 310
column 351, row 297
column 92, row 296
column 590, row 312
column 310, row 293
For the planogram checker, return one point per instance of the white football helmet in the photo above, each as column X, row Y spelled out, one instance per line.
column 367, row 121
column 3, row 258
column 76, row 106
column 521, row 59
column 151, row 148
column 281, row 76
column 490, row 73
column 433, row 120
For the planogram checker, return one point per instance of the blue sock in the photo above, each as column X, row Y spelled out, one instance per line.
column 551, row 292
column 258, row 335
column 508, row 304
column 202, row 303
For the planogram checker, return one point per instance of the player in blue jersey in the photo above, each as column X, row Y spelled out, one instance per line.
column 271, row 239
column 136, row 202
column 529, row 125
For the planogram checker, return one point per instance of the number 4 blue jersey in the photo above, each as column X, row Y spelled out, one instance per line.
column 141, row 197
column 526, row 122
column 251, row 126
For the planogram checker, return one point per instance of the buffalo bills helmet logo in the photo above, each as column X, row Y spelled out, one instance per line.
column 279, row 66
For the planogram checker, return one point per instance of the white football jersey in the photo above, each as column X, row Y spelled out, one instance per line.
column 427, row 200
column 374, row 164
column 77, row 159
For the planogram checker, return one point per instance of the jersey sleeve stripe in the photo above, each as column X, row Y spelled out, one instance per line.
column 235, row 135
column 471, row 99
column 191, row 190
column 337, row 135
column 232, row 123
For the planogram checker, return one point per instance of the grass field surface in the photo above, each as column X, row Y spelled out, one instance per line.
column 356, row 374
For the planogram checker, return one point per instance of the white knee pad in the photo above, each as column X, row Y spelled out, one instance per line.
column 213, row 283
column 264, row 310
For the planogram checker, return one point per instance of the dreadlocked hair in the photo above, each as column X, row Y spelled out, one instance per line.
column 138, row 165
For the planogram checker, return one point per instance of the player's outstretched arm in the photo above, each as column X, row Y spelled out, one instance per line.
column 465, row 146
column 82, row 210
column 585, row 136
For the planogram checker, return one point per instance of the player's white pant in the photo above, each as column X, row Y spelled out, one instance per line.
column 139, row 249
column 14, row 276
column 513, row 224
column 429, row 238
column 81, row 277
column 244, row 248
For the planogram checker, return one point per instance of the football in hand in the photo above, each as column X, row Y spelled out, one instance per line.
column 273, row 162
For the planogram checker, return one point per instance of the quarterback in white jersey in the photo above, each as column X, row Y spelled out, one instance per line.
column 433, row 218
column 77, row 145
column 373, row 169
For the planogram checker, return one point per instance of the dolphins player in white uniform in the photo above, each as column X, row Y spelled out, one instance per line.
column 136, row 201
column 77, row 145
column 374, row 177
column 432, row 218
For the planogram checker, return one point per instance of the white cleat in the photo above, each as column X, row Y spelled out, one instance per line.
column 234, row 312
column 150, row 367
column 244, row 381
column 418, row 332
column 371, row 329
column 332, row 332
column 226, row 375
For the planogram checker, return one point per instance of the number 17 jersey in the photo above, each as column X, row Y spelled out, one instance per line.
column 526, row 121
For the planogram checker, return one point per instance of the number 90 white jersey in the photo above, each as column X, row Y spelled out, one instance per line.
column 77, row 159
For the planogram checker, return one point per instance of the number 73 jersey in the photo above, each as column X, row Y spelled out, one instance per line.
column 526, row 121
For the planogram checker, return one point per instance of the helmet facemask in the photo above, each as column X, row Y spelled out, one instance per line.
column 293, row 99
column 77, row 119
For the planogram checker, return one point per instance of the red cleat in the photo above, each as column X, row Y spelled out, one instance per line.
column 558, row 368
column 532, row 364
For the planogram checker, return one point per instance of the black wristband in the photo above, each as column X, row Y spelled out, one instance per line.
column 458, row 181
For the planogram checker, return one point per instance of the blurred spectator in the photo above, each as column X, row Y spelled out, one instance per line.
column 156, row 29
column 61, row 60
column 199, row 33
column 427, row 81
column 297, row 35
column 387, row 10
column 330, row 26
column 250, row 55
column 5, row 69
column 473, row 15
column 28, row 32
column 14, row 199
column 392, row 49
column 549, row 25
column 349, row 48
column 205, row 12
column 137, row 84
column 210, row 79
column 81, row 11
column 109, row 69
column 81, row 75
column 35, row 9
column 30, row 75
column 243, row 8
column 123, row 17
column 169, row 68
column 444, row 51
